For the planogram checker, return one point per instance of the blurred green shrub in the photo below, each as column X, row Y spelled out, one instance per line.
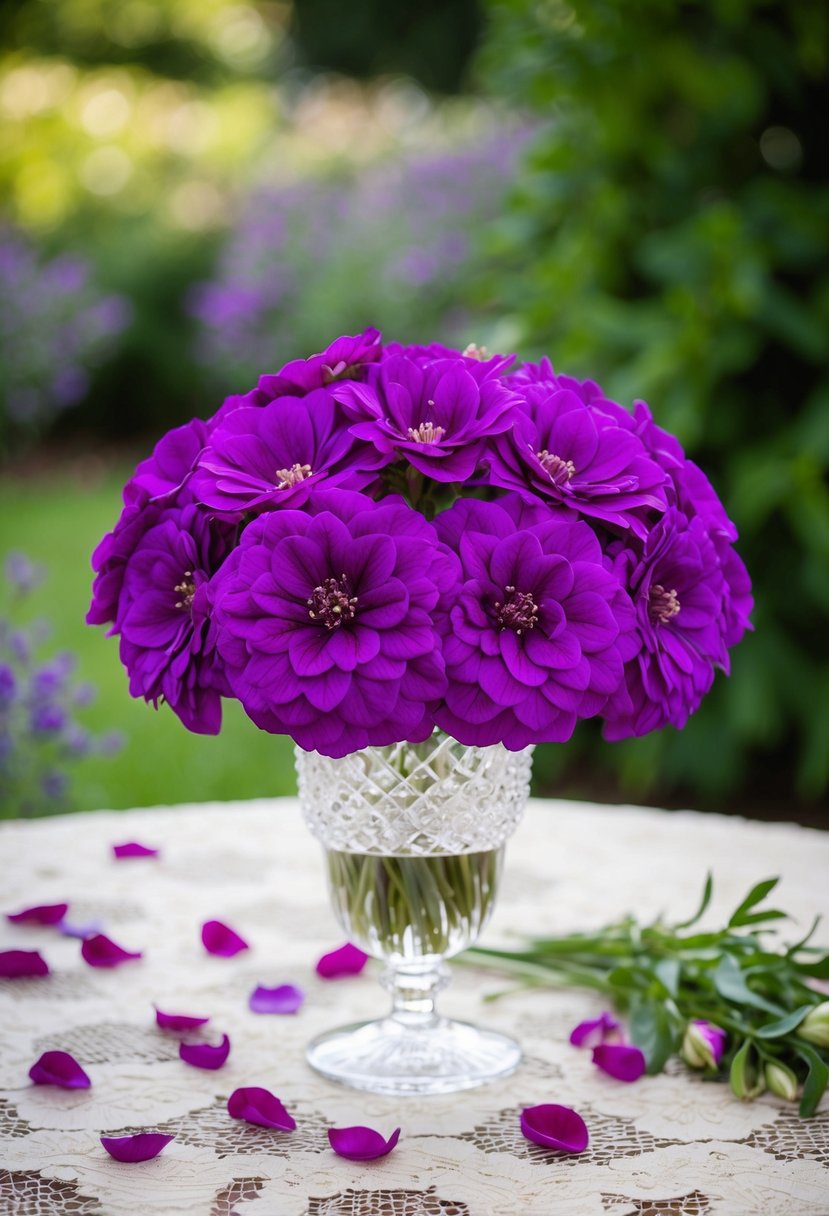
column 670, row 238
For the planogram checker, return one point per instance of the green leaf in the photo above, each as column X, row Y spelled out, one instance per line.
column 706, row 899
column 731, row 984
column 668, row 971
column 793, row 949
column 651, row 1030
column 816, row 1080
column 754, row 897
column 818, row 969
column 775, row 1030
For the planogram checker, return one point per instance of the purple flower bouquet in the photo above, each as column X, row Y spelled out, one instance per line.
column 418, row 563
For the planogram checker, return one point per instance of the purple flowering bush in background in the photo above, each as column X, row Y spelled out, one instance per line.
column 382, row 540
column 56, row 326
column 40, row 734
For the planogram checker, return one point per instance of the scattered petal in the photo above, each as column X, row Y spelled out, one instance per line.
column 347, row 960
column 361, row 1143
column 220, row 939
column 287, row 998
column 91, row 929
column 40, row 914
column 261, row 1107
column 619, row 1061
column 595, row 1031
column 134, row 849
column 556, row 1127
column 59, row 1068
column 178, row 1021
column 202, row 1055
column 15, row 964
column 101, row 951
column 141, row 1147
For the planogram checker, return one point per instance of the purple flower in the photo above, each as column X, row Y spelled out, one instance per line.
column 325, row 622
column 173, row 459
column 566, row 452
column 536, row 635
column 277, row 456
column 435, row 416
column 476, row 359
column 703, row 1044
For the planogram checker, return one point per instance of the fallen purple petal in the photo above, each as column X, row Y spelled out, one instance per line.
column 595, row 1031
column 102, row 951
column 16, row 964
column 259, row 1106
column 556, row 1127
column 361, row 1143
column 40, row 914
column 141, row 1147
column 347, row 960
column 287, row 998
column 59, row 1068
column 202, row 1055
column 92, row 929
column 178, row 1021
column 218, row 938
column 619, row 1061
column 134, row 849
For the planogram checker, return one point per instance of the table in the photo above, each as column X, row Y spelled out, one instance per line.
column 670, row 1145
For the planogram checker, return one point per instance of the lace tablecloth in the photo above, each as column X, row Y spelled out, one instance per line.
column 671, row 1144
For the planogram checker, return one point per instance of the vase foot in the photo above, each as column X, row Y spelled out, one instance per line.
column 389, row 1057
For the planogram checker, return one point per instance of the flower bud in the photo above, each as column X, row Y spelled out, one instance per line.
column 815, row 1026
column 781, row 1080
column 746, row 1081
column 703, row 1044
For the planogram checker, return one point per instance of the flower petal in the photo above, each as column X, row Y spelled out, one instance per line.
column 134, row 849
column 203, row 1055
column 259, row 1106
column 178, row 1021
column 556, row 1127
column 91, row 929
column 218, row 938
column 620, row 1061
column 40, row 914
column 59, row 1068
column 361, row 1143
column 15, row 964
column 141, row 1147
column 286, row 998
column 347, row 960
column 595, row 1031
column 102, row 951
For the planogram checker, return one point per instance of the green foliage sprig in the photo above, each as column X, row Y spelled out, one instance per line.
column 667, row 977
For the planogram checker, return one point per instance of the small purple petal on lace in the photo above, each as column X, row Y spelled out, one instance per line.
column 603, row 1029
column 287, row 998
column 202, row 1055
column 133, row 849
column 59, row 1068
column 619, row 1061
column 101, row 951
column 347, row 960
column 260, row 1106
column 556, row 1127
column 91, row 929
column 40, row 914
column 218, row 938
column 141, row 1147
column 178, row 1021
column 361, row 1143
column 16, row 964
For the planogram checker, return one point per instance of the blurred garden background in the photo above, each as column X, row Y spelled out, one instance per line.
column 194, row 191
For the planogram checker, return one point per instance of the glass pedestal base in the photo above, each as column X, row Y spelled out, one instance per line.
column 390, row 1057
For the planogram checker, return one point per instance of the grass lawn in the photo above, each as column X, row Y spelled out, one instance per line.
column 57, row 518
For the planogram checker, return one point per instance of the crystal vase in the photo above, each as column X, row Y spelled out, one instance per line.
column 413, row 836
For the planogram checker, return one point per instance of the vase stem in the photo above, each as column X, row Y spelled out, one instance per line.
column 413, row 991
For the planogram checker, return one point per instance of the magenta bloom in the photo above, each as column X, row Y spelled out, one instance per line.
column 40, row 914
column 143, row 1146
column 437, row 417
column 218, row 938
column 346, row 960
column 361, row 1143
column 133, row 849
column 205, row 1055
column 703, row 1044
column 325, row 622
column 603, row 1029
column 168, row 468
column 556, row 1127
column 101, row 951
column 17, row 964
column 537, row 634
column 259, row 1106
column 59, row 1068
column 563, row 451
column 286, row 998
column 619, row 1060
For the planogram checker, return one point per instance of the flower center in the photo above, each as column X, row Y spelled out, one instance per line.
column 427, row 432
column 560, row 471
column 286, row 479
column 662, row 605
column 332, row 602
column 186, row 589
column 518, row 612
column 473, row 351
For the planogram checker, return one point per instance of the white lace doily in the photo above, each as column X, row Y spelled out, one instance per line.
column 666, row 1146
